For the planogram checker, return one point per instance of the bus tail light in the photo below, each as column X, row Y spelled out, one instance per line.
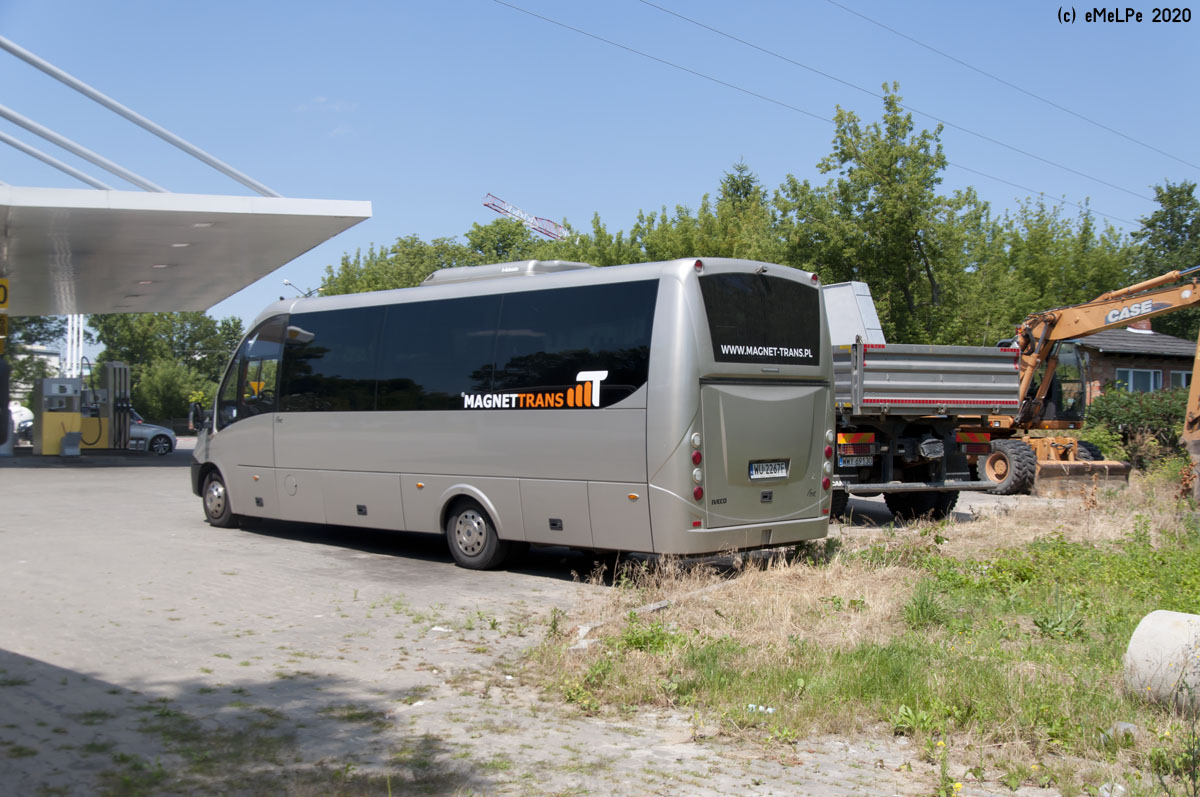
column 697, row 457
column 698, row 492
column 828, row 452
column 697, row 475
column 698, row 265
column 826, row 483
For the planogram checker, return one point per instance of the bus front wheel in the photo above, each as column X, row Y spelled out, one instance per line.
column 216, row 502
column 472, row 538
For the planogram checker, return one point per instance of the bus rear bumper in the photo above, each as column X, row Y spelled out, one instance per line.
column 754, row 535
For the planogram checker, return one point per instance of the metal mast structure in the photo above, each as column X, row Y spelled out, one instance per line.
column 551, row 229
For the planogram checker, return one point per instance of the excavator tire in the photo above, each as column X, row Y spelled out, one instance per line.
column 1012, row 465
column 911, row 506
column 1088, row 452
column 840, row 498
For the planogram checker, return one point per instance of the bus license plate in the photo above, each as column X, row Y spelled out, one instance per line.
column 777, row 469
column 854, row 462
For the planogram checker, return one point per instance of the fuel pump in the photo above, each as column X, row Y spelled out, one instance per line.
column 114, row 381
column 106, row 409
column 56, row 420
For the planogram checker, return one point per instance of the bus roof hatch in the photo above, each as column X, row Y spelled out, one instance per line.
column 519, row 268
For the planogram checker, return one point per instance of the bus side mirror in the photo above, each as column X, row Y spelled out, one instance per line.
column 196, row 417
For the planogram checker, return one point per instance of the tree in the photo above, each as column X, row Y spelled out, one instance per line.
column 502, row 241
column 26, row 331
column 1037, row 258
column 1169, row 240
column 170, row 355
column 164, row 387
column 192, row 338
column 882, row 221
column 410, row 260
column 405, row 264
column 741, row 225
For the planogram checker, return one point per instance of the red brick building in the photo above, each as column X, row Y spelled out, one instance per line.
column 1135, row 358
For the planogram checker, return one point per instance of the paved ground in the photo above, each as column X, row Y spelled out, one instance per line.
column 144, row 652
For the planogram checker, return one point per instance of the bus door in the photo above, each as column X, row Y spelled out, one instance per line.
column 243, row 440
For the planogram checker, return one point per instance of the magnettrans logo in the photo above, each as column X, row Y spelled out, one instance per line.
column 584, row 395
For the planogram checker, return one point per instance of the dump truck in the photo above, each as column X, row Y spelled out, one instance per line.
column 901, row 411
column 1052, row 395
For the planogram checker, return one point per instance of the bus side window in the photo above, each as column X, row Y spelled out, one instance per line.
column 252, row 379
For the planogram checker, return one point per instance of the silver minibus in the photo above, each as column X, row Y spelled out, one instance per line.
column 681, row 407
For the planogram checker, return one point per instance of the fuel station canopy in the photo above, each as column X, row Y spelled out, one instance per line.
column 67, row 251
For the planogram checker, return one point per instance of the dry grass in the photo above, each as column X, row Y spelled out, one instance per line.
column 824, row 635
column 1094, row 514
column 767, row 599
column 764, row 602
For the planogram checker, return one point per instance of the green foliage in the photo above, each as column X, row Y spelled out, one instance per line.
column 194, row 339
column 649, row 637
column 171, row 356
column 1169, row 240
column 1149, row 424
column 26, row 331
column 410, row 260
column 165, row 387
column 1062, row 620
column 1104, row 438
column 1036, row 258
column 907, row 721
column 924, row 608
column 882, row 221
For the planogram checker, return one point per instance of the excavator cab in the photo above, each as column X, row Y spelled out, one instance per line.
column 1065, row 400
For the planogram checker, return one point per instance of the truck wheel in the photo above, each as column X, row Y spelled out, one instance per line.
column 930, row 505
column 1088, row 452
column 838, row 502
column 1012, row 465
column 944, row 503
column 472, row 537
column 909, row 506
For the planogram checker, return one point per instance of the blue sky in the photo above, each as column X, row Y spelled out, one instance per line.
column 423, row 108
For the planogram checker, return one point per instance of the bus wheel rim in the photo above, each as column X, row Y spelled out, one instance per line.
column 470, row 532
column 214, row 499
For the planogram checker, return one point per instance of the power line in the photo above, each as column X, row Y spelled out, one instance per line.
column 1014, row 86
column 906, row 107
column 780, row 103
column 667, row 63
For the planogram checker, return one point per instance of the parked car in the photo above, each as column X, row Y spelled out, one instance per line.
column 18, row 414
column 24, row 433
column 148, row 437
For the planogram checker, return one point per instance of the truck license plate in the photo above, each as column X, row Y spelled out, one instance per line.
column 854, row 462
column 775, row 469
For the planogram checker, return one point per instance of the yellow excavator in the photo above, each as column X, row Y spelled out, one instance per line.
column 1053, row 396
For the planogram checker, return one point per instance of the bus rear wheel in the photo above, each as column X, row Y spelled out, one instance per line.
column 472, row 538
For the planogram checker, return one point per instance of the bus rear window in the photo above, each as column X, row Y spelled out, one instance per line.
column 755, row 318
